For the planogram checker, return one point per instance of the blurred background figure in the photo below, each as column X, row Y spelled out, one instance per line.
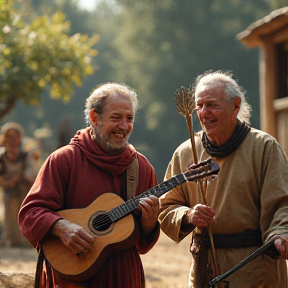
column 65, row 133
column 20, row 161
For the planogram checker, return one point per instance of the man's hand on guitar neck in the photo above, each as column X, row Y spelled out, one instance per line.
column 73, row 236
column 149, row 207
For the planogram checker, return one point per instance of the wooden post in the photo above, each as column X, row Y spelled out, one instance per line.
column 268, row 85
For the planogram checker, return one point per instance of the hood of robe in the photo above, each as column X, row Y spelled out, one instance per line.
column 115, row 164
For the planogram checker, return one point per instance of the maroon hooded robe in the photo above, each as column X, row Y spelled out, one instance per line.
column 73, row 177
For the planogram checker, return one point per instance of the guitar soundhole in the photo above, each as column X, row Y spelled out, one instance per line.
column 100, row 223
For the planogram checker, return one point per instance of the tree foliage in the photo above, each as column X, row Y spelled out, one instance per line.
column 40, row 55
column 162, row 45
column 157, row 47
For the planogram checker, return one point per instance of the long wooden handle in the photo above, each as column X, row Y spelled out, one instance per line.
column 215, row 265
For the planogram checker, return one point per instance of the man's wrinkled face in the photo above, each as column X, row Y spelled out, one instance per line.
column 115, row 124
column 216, row 114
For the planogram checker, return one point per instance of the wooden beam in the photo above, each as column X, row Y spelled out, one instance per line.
column 280, row 104
column 280, row 35
column 285, row 46
column 282, row 133
column 268, row 90
column 270, row 24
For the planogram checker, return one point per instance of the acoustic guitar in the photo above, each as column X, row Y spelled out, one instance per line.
column 110, row 221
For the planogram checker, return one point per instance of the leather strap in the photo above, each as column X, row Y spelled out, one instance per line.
column 132, row 175
column 39, row 268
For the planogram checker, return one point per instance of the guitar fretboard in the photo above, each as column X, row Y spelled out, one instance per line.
column 129, row 206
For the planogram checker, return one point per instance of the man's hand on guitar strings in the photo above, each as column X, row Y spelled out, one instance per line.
column 149, row 207
column 73, row 236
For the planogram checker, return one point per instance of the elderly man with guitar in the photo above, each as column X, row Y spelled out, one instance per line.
column 76, row 215
column 96, row 161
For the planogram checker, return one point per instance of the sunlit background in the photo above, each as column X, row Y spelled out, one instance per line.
column 87, row 4
column 154, row 46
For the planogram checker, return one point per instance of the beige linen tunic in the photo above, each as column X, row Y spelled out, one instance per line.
column 250, row 193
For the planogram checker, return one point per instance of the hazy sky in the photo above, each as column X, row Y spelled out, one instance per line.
column 87, row 4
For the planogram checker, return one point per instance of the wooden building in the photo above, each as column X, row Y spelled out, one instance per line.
column 270, row 35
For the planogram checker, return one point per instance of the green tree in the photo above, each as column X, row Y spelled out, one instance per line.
column 38, row 56
column 156, row 47
column 162, row 45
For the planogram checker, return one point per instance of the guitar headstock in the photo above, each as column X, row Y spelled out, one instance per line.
column 201, row 170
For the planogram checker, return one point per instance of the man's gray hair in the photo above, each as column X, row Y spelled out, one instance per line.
column 96, row 100
column 232, row 90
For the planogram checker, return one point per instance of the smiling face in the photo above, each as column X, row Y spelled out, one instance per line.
column 217, row 115
column 113, row 127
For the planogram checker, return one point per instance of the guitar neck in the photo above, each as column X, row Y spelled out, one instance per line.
column 162, row 188
column 158, row 190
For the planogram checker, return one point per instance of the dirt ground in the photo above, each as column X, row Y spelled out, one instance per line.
column 166, row 265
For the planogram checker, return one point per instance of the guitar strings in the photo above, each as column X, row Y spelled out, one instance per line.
column 101, row 221
column 105, row 220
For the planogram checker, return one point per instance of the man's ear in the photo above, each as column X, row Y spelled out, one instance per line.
column 93, row 117
column 237, row 104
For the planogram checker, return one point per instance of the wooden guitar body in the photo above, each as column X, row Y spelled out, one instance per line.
column 120, row 235
column 110, row 221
